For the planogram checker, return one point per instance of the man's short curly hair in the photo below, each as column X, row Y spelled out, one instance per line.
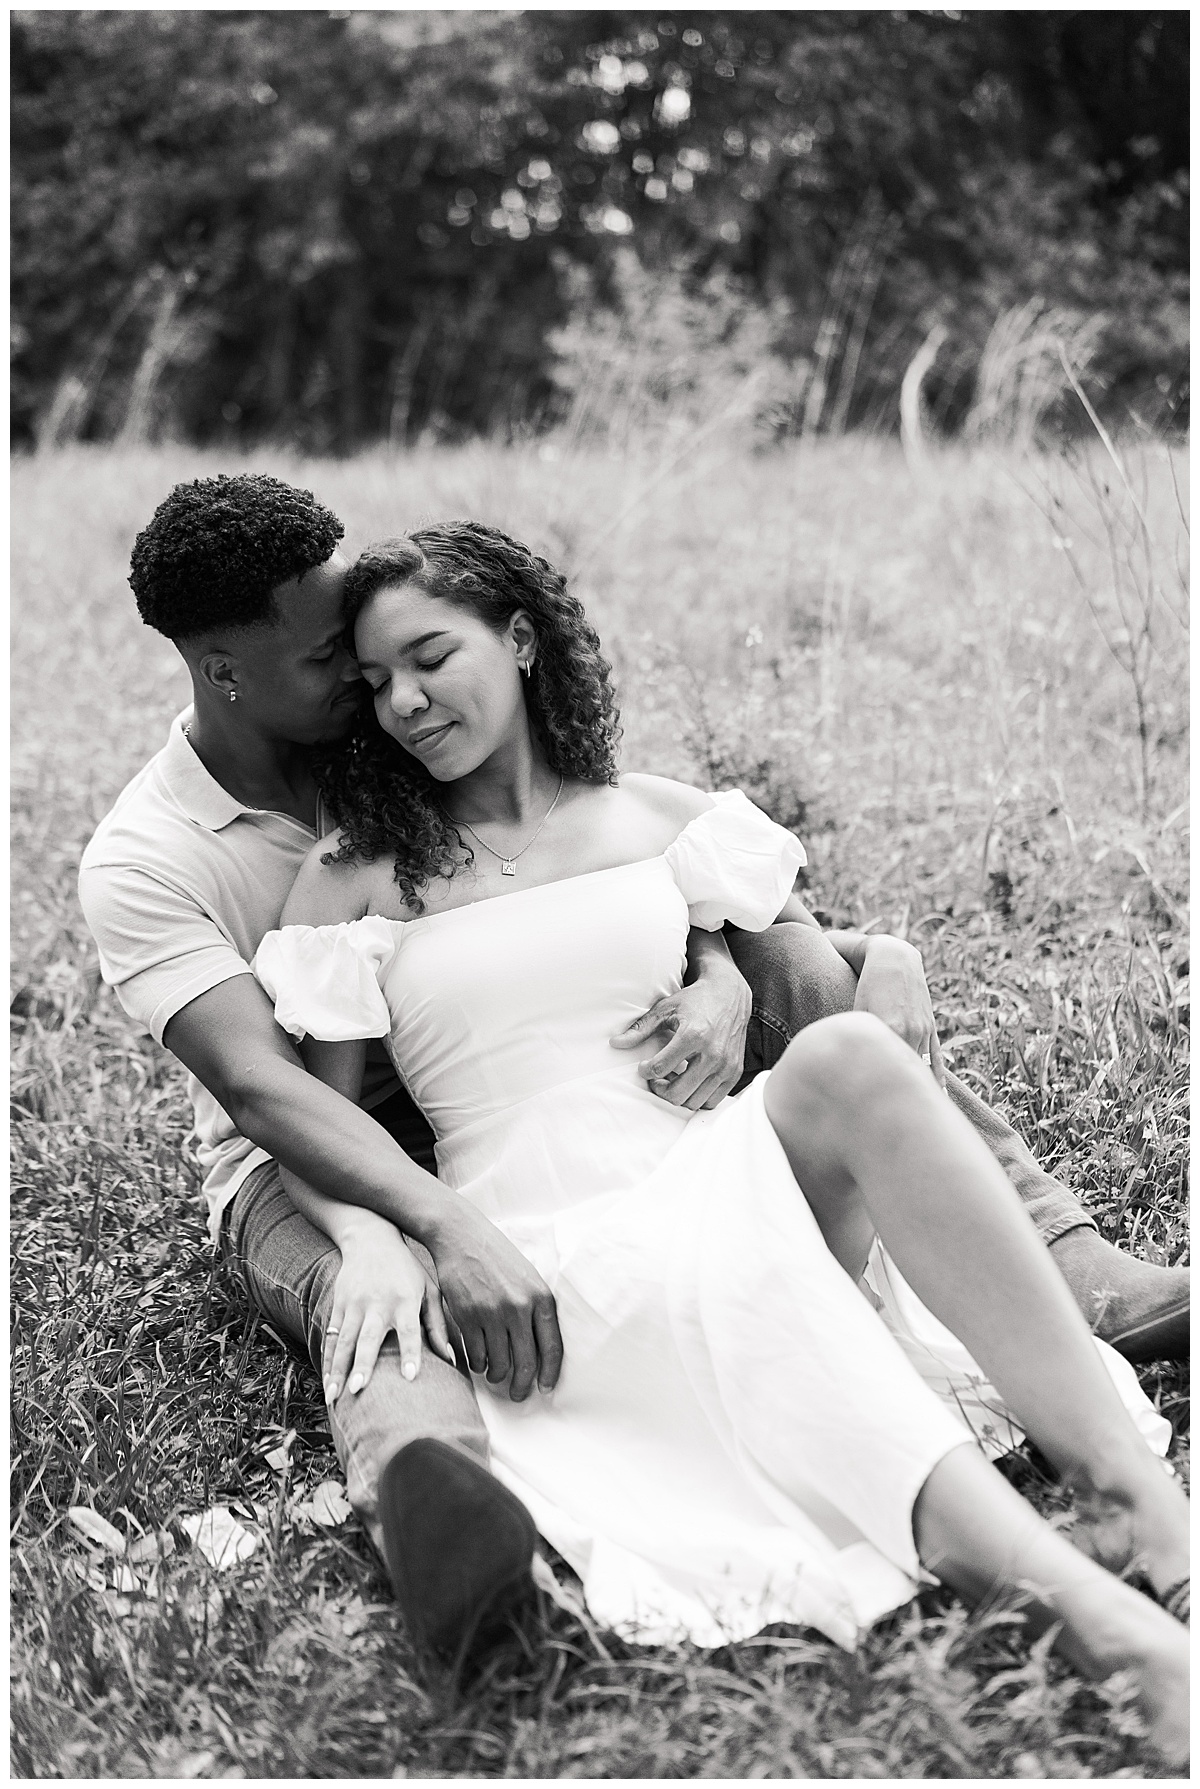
column 215, row 549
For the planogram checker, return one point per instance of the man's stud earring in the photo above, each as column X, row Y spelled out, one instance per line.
column 233, row 695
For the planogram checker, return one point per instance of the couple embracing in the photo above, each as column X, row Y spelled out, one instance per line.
column 736, row 1326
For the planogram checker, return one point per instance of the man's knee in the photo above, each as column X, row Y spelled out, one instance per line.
column 795, row 975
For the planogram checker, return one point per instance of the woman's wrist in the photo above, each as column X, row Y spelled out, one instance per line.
column 358, row 1228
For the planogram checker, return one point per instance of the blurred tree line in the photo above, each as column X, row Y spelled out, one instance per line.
column 330, row 228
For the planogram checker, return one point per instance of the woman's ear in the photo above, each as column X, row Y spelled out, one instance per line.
column 524, row 638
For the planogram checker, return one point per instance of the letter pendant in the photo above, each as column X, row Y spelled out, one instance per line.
column 508, row 866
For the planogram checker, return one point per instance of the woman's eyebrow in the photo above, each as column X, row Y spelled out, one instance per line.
column 437, row 633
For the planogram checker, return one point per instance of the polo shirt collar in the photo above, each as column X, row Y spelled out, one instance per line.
column 199, row 795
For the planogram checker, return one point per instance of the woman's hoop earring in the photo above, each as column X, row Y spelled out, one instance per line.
column 527, row 668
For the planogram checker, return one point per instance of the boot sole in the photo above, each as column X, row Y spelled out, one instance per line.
column 1167, row 1336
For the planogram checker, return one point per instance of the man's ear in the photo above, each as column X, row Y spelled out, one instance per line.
column 220, row 671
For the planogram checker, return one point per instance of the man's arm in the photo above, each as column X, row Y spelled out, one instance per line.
column 891, row 981
column 229, row 1039
column 702, row 1056
column 706, row 1020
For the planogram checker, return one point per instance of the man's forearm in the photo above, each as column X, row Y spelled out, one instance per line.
column 338, row 1150
column 707, row 953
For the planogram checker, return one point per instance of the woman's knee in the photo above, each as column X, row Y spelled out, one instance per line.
column 846, row 1065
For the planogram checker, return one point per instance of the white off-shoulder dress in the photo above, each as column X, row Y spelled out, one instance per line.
column 739, row 1432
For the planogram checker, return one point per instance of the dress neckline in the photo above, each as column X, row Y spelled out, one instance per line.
column 637, row 863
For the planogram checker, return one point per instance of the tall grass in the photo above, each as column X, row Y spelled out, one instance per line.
column 916, row 675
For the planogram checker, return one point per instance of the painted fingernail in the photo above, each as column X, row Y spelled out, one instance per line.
column 356, row 1384
column 332, row 1389
column 409, row 1369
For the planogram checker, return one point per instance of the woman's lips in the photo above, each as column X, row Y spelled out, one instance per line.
column 419, row 742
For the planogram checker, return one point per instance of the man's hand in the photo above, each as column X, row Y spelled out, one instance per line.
column 705, row 1023
column 892, row 986
column 380, row 1287
column 503, row 1307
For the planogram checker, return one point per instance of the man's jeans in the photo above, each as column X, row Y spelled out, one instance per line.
column 288, row 1268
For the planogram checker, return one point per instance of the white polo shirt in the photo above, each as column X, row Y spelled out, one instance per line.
column 179, row 884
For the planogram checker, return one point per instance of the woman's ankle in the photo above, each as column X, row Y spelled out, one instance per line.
column 1118, row 1469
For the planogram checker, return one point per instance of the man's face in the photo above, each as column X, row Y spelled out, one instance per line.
column 299, row 678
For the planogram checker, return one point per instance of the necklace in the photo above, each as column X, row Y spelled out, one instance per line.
column 508, row 864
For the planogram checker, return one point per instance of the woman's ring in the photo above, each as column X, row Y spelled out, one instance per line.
column 333, row 1330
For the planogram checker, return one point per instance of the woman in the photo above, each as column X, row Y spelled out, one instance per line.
column 737, row 1436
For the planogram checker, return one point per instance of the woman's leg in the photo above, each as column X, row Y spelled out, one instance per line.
column 981, row 1538
column 797, row 978
column 876, row 1147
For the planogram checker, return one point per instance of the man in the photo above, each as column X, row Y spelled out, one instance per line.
column 190, row 870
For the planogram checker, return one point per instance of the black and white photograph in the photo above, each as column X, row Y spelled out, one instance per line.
column 599, row 874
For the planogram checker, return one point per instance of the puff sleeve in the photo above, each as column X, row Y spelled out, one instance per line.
column 324, row 980
column 733, row 863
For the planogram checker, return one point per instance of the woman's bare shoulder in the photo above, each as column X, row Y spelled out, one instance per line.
column 667, row 799
column 329, row 891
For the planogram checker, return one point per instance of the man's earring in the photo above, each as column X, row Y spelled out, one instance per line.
column 233, row 695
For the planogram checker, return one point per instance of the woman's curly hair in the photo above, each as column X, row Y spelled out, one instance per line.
column 383, row 798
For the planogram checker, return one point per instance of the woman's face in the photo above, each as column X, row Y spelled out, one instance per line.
column 446, row 685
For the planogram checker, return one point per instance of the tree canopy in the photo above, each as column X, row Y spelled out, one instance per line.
column 332, row 227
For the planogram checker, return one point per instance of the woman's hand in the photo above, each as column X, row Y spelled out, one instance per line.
column 892, row 986
column 380, row 1287
column 705, row 1022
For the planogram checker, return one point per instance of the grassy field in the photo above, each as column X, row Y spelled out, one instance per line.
column 968, row 693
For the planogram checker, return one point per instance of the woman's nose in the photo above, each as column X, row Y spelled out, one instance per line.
column 407, row 697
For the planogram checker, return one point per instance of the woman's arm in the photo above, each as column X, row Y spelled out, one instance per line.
column 380, row 1285
column 504, row 1310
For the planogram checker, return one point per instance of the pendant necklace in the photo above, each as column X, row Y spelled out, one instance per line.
column 508, row 865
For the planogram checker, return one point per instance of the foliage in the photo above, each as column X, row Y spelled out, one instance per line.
column 328, row 228
column 660, row 357
column 910, row 672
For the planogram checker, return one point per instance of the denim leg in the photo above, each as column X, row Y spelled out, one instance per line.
column 796, row 976
column 288, row 1269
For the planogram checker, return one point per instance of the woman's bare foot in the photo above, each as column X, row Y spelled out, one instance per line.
column 1111, row 1627
column 1163, row 1678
